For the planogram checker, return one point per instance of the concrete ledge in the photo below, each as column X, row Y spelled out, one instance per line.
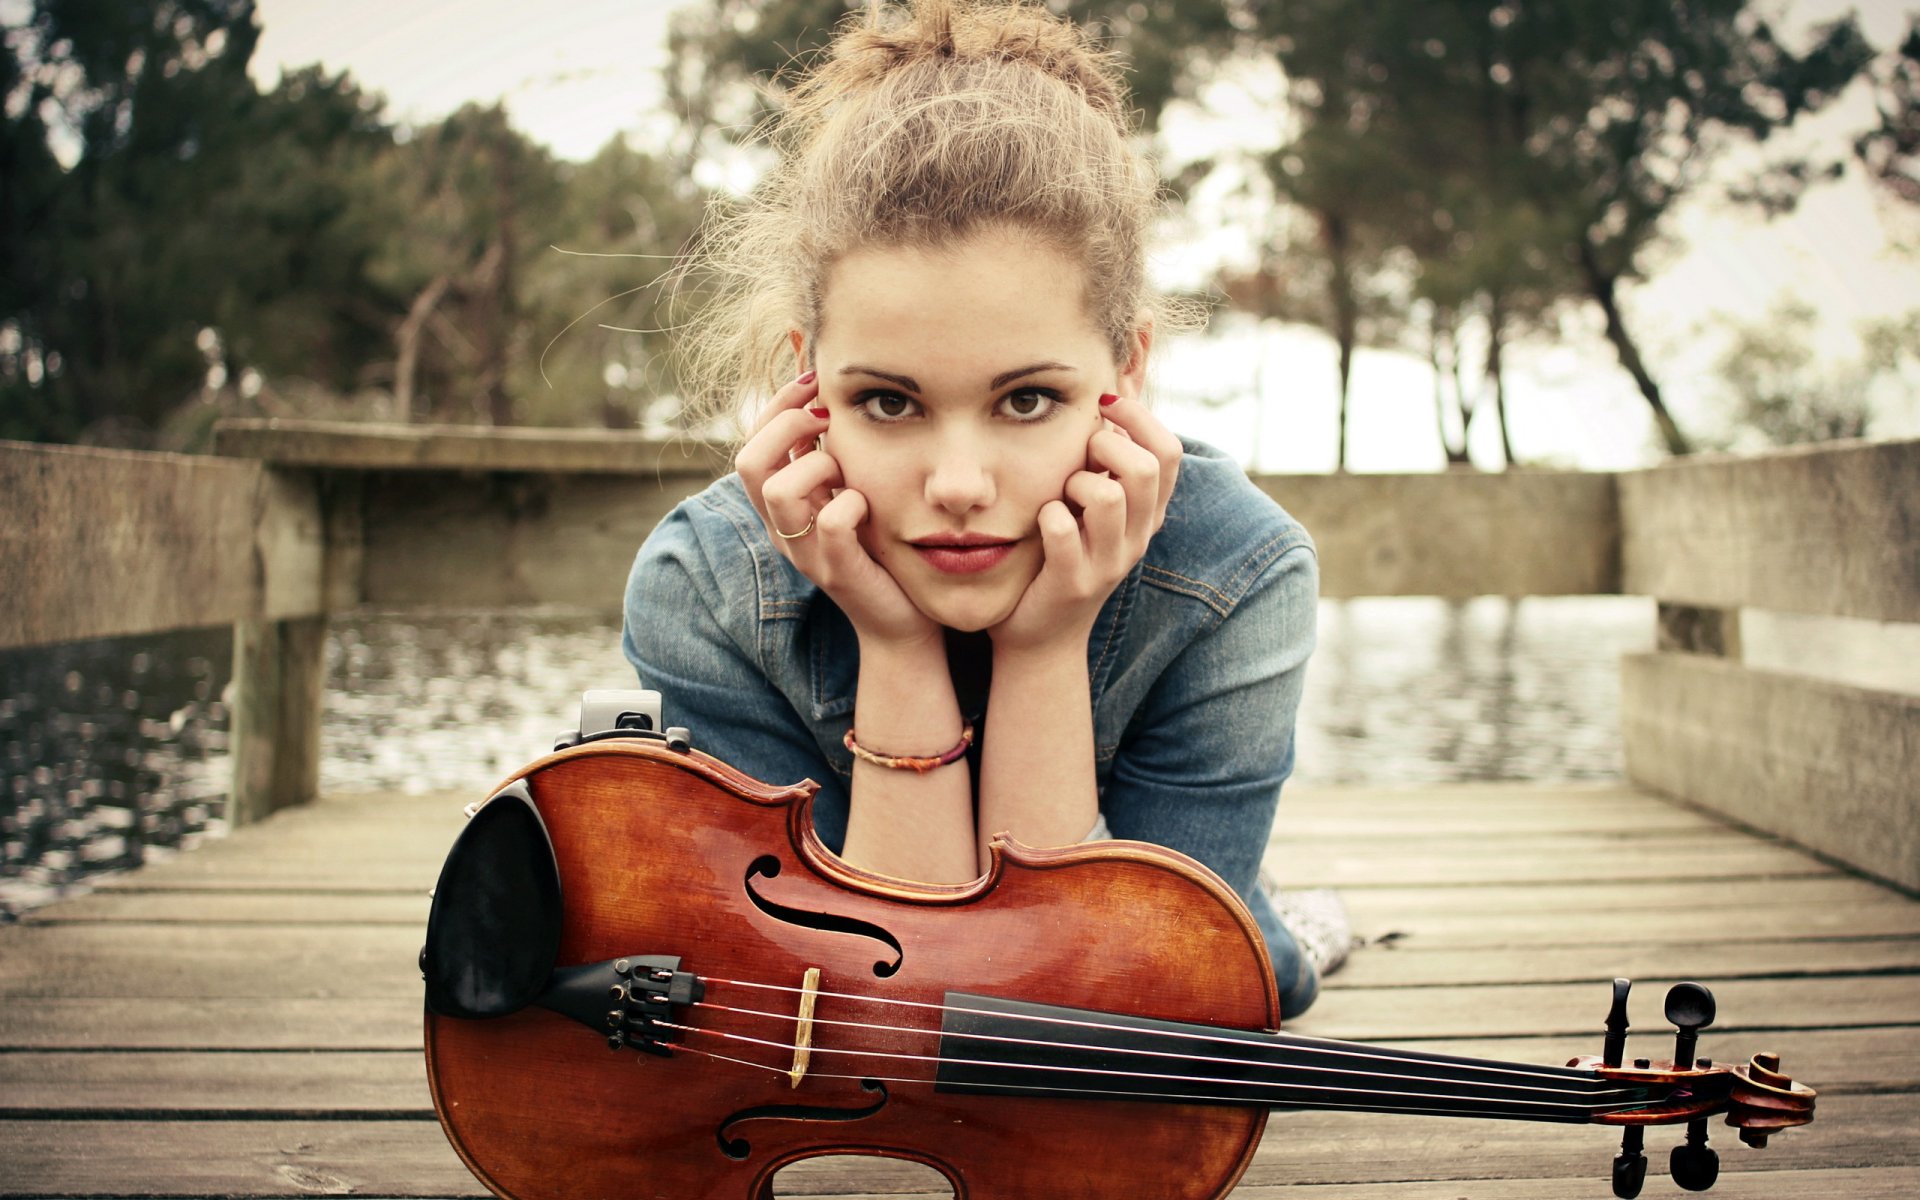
column 1462, row 533
column 1832, row 530
column 465, row 448
column 109, row 543
column 1831, row 767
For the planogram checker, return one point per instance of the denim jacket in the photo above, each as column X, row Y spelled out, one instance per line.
column 1196, row 662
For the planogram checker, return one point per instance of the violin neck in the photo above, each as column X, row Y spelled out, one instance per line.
column 992, row 1046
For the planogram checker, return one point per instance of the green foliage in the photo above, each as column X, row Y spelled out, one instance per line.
column 161, row 195
column 1890, row 150
column 1782, row 391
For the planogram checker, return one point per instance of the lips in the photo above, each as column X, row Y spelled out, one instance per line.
column 964, row 553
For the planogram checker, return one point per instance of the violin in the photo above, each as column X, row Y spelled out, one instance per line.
column 647, row 976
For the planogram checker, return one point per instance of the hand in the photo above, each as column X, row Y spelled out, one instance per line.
column 796, row 485
column 1132, row 463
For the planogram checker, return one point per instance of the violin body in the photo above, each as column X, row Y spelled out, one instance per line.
column 670, row 852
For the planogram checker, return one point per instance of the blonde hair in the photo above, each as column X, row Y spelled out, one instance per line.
column 921, row 127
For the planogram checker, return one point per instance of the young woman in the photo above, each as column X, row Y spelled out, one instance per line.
column 962, row 576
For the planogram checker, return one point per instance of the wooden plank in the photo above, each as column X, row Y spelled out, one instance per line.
column 255, row 1023
column 375, row 1084
column 412, row 1158
column 1747, row 1006
column 1410, row 928
column 340, row 960
column 302, row 1021
column 1382, row 865
column 1396, row 966
column 105, row 543
column 1464, row 533
column 1819, row 529
column 362, row 446
column 1392, row 901
column 1830, row 766
column 216, row 908
column 1501, row 920
column 364, row 1084
column 1865, row 1183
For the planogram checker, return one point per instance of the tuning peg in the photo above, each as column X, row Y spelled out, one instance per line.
column 1630, row 1165
column 1614, row 1050
column 1694, row 1165
column 1690, row 1008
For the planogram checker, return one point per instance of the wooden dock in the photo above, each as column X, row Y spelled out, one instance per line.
column 244, row 1020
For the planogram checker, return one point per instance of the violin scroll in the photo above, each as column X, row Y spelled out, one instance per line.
column 1757, row 1098
column 1764, row 1101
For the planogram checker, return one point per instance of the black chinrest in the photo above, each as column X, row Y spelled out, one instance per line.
column 494, row 931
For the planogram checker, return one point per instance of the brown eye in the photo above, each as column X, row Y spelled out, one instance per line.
column 1030, row 405
column 885, row 408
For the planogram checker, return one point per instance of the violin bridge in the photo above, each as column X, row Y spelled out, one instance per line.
column 803, row 1028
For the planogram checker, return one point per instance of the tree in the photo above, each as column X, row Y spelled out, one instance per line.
column 1783, row 392
column 1890, row 150
column 168, row 212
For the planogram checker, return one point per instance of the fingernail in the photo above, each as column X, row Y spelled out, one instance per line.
column 820, row 412
column 1107, row 398
column 805, row 379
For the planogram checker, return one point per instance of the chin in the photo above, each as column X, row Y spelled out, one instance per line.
column 968, row 609
column 968, row 618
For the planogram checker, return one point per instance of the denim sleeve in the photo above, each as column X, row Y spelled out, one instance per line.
column 693, row 632
column 1202, row 765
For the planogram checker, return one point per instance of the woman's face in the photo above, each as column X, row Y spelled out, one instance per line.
column 963, row 385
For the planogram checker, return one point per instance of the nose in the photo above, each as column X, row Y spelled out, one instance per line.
column 960, row 476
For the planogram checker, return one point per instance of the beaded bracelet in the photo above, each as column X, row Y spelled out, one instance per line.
column 908, row 762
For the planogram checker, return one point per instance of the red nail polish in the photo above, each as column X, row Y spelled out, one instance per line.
column 1107, row 398
column 805, row 379
column 820, row 412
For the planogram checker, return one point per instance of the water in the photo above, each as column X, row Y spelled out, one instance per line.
column 112, row 753
column 115, row 751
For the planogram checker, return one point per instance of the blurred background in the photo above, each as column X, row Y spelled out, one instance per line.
column 1437, row 234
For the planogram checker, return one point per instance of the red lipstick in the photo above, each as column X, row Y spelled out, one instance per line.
column 963, row 553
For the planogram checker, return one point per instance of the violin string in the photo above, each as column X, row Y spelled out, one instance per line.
column 1293, row 1041
column 1486, row 1109
column 1277, row 1063
column 940, row 1060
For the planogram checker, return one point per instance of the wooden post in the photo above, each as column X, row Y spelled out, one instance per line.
column 279, row 676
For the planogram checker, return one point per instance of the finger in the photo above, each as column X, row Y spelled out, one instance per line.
column 1145, row 429
column 1135, row 469
column 805, row 486
column 1103, row 512
column 791, row 430
column 789, row 396
column 838, row 554
column 1060, row 541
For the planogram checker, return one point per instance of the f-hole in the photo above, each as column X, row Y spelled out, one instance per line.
column 767, row 867
column 738, row 1148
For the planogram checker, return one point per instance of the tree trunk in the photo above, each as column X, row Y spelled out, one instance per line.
column 1346, row 320
column 406, row 338
column 500, row 315
column 1602, row 283
column 1444, row 368
column 1496, row 372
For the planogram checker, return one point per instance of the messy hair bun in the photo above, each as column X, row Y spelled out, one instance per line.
column 921, row 126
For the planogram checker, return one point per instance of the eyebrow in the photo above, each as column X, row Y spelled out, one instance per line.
column 907, row 382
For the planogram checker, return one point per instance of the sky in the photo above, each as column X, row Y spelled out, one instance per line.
column 574, row 75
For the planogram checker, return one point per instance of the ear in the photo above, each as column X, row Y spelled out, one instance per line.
column 799, row 343
column 1133, row 375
